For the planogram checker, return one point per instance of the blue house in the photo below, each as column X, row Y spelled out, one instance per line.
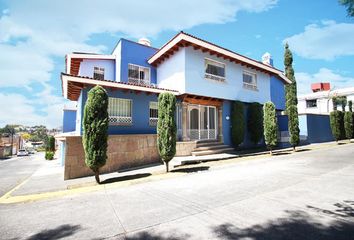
column 205, row 78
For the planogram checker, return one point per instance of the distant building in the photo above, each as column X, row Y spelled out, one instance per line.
column 320, row 100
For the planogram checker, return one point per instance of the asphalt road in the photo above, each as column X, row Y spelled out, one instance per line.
column 14, row 171
column 307, row 195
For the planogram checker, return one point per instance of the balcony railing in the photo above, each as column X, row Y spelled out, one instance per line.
column 214, row 77
column 139, row 81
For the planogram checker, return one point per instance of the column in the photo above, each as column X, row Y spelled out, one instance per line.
column 220, row 119
column 184, row 122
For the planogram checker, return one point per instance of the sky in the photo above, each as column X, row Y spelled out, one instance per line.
column 35, row 36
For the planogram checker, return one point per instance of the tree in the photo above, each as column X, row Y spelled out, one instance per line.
column 334, row 103
column 50, row 145
column 255, row 122
column 350, row 104
column 293, row 126
column 349, row 4
column 95, row 127
column 335, row 121
column 342, row 100
column 166, row 127
column 270, row 126
column 237, row 123
column 291, row 99
column 348, row 125
column 25, row 136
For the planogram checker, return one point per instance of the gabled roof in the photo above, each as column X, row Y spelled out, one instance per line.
column 72, row 85
column 185, row 40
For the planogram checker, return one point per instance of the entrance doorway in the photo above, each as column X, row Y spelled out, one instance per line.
column 202, row 122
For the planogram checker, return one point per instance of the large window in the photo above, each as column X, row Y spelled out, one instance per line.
column 249, row 80
column 153, row 114
column 138, row 74
column 98, row 73
column 120, row 111
column 311, row 103
column 214, row 70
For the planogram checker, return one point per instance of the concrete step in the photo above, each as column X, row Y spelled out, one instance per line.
column 214, row 151
column 210, row 147
column 208, row 143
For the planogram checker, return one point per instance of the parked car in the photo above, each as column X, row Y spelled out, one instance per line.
column 22, row 152
column 31, row 151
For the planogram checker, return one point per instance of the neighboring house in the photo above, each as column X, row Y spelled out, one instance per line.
column 320, row 100
column 205, row 78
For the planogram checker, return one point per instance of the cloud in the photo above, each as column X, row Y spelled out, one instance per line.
column 34, row 33
column 337, row 81
column 326, row 41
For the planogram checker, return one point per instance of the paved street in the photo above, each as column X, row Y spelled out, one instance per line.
column 306, row 195
column 14, row 171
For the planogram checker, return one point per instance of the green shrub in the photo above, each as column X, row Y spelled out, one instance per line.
column 95, row 127
column 49, row 155
column 270, row 126
column 335, row 121
column 348, row 125
column 50, row 144
column 255, row 122
column 237, row 123
column 166, row 127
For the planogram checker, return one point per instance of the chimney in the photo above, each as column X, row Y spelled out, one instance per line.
column 267, row 59
column 144, row 41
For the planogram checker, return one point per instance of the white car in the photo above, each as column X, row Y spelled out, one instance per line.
column 22, row 152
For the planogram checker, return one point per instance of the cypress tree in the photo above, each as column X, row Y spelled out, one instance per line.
column 350, row 105
column 166, row 127
column 237, row 123
column 291, row 99
column 348, row 125
column 95, row 127
column 270, row 126
column 255, row 122
column 335, row 124
column 334, row 103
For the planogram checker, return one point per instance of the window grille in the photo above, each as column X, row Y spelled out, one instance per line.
column 98, row 73
column 214, row 70
column 249, row 80
column 120, row 111
column 153, row 114
column 138, row 74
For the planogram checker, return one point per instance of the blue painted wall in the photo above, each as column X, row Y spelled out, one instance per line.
column 135, row 53
column 277, row 92
column 226, row 124
column 69, row 120
column 140, row 112
column 282, row 122
column 87, row 66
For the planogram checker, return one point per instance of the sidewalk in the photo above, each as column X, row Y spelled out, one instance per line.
column 49, row 178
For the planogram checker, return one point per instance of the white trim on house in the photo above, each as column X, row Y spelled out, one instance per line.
column 84, row 80
column 182, row 36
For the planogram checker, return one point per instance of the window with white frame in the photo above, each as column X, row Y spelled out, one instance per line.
column 214, row 70
column 138, row 74
column 153, row 114
column 249, row 80
column 98, row 73
column 120, row 111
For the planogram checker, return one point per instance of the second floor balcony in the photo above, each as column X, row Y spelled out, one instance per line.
column 139, row 75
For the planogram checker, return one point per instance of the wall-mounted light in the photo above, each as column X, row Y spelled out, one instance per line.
column 227, row 118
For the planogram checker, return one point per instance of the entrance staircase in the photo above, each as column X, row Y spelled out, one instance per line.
column 207, row 147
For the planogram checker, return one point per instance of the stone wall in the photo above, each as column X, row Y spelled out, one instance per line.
column 124, row 151
column 185, row 148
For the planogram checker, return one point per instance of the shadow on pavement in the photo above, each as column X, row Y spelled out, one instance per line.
column 151, row 236
column 56, row 233
column 191, row 169
column 297, row 225
column 125, row 178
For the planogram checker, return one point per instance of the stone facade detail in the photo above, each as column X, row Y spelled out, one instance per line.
column 185, row 148
column 124, row 151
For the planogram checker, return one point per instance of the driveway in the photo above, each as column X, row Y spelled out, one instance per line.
column 15, row 170
column 306, row 195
